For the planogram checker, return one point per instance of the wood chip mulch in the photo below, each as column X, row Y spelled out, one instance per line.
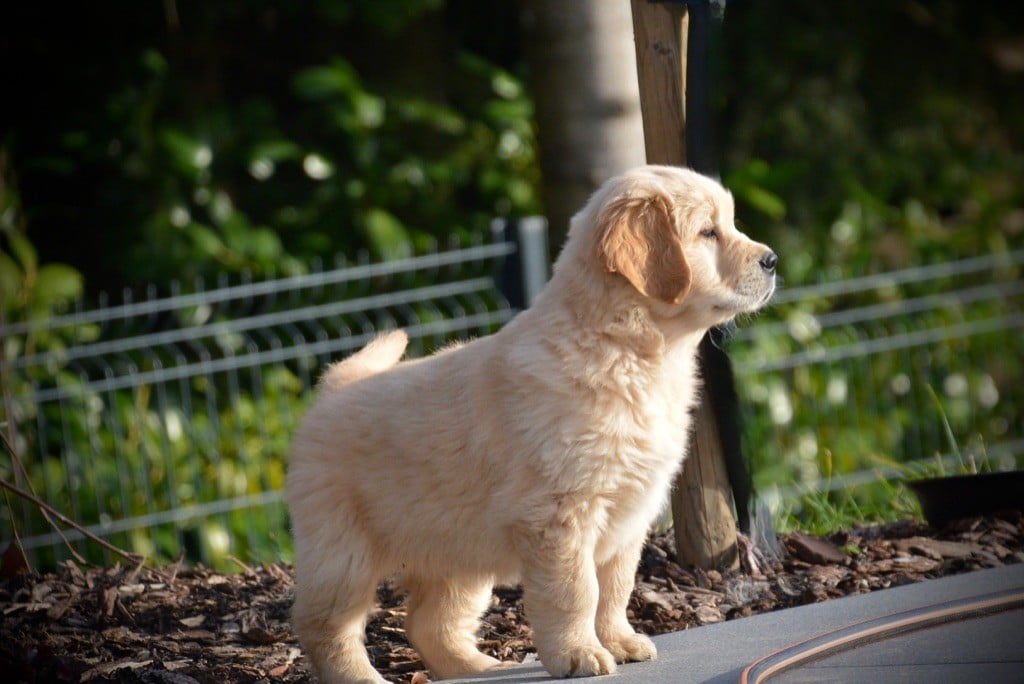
column 186, row 625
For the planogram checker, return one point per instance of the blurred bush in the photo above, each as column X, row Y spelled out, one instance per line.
column 171, row 141
column 255, row 137
column 867, row 136
column 860, row 138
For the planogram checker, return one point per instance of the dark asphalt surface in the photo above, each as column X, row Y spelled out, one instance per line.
column 987, row 648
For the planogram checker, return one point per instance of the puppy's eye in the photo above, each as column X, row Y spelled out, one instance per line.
column 709, row 233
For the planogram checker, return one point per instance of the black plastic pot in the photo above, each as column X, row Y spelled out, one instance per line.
column 945, row 499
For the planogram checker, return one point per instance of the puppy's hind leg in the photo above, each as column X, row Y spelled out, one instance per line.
column 442, row 621
column 332, row 599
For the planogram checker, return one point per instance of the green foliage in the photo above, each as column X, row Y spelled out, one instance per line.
column 952, row 396
column 353, row 168
column 193, row 162
column 257, row 137
column 878, row 163
column 28, row 289
column 111, row 455
column 850, row 158
column 398, row 165
column 824, row 512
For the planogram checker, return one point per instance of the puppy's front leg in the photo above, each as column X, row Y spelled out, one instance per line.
column 561, row 594
column 615, row 579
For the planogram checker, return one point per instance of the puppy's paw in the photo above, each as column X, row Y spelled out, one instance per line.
column 463, row 665
column 580, row 661
column 632, row 647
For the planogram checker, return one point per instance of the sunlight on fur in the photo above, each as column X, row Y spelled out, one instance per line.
column 540, row 454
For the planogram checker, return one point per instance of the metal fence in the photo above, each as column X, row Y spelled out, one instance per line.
column 163, row 423
column 893, row 375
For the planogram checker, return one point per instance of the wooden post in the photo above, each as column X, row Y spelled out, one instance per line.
column 702, row 503
column 660, row 35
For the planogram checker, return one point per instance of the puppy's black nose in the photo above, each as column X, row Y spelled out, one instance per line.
column 768, row 261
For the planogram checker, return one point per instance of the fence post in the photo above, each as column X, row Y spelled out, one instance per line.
column 702, row 503
column 523, row 275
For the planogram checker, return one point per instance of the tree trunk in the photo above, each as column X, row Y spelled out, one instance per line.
column 583, row 79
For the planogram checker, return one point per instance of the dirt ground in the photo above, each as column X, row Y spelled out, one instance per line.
column 184, row 625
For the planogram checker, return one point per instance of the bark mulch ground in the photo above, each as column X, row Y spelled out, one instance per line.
column 185, row 625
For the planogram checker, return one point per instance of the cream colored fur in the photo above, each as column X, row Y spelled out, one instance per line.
column 539, row 454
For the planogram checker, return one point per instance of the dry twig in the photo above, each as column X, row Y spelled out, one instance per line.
column 47, row 508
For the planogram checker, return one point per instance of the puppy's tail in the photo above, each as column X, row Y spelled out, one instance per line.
column 383, row 352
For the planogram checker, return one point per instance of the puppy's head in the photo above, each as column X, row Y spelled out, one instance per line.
column 668, row 234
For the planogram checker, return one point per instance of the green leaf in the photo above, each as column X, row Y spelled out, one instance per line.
column 56, row 283
column 508, row 111
column 505, row 85
column 265, row 246
column 394, row 16
column 25, row 252
column 236, row 232
column 154, row 62
column 275, row 150
column 474, row 64
column 369, row 109
column 322, row 82
column 11, row 278
column 205, row 239
column 188, row 154
column 764, row 201
column 386, row 234
column 439, row 117
column 754, row 171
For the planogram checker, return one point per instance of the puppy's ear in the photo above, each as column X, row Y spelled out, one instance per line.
column 637, row 239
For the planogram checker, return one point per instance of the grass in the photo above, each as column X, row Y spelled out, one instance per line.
column 824, row 511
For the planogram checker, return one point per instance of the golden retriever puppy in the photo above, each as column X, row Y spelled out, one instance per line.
column 539, row 454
